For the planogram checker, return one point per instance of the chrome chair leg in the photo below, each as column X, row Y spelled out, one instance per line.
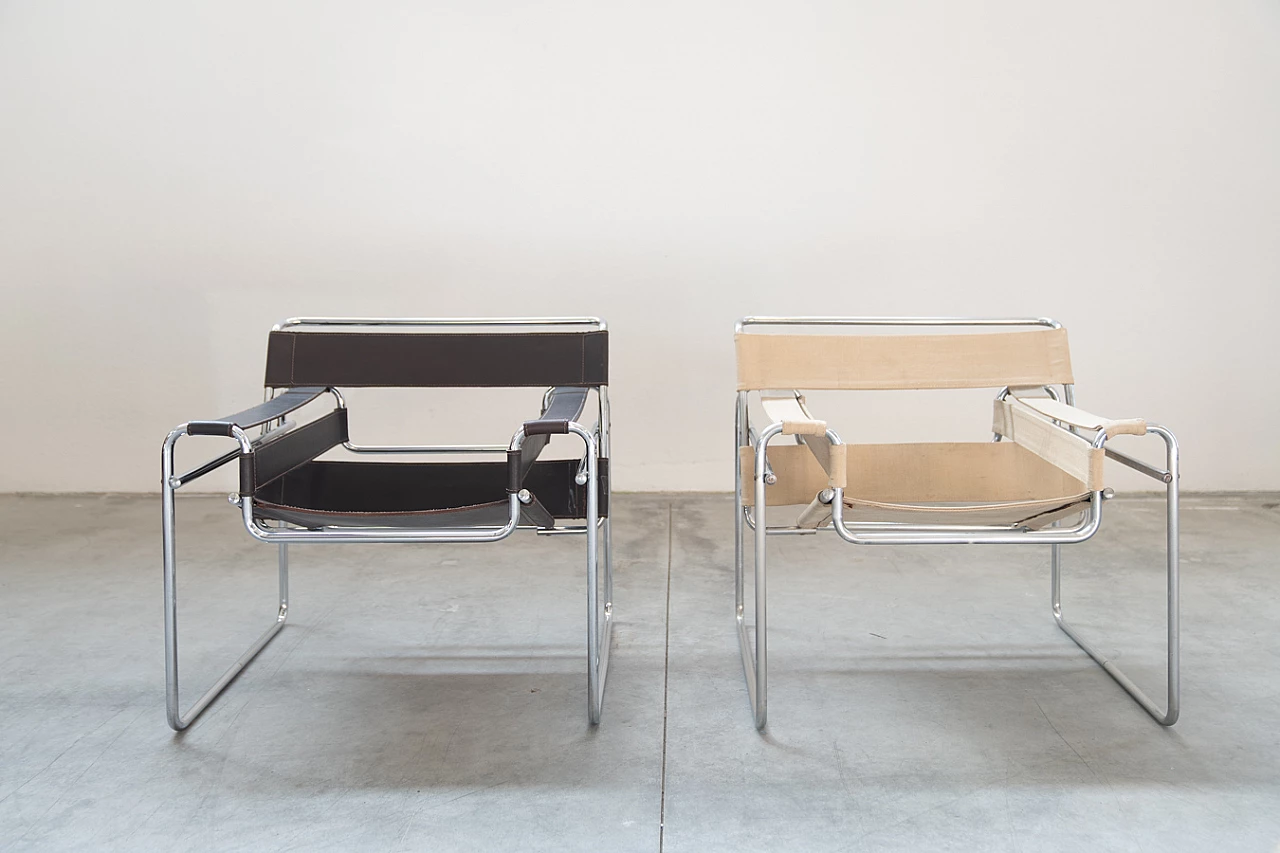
column 1169, row 715
column 601, row 616
column 605, row 616
column 754, row 666
column 178, row 720
column 599, row 630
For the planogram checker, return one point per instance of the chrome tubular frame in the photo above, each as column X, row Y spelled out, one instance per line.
column 599, row 619
column 598, row 651
column 472, row 322
column 755, row 664
column 755, row 661
column 598, row 530
column 755, row 670
column 896, row 321
column 168, row 486
column 1169, row 477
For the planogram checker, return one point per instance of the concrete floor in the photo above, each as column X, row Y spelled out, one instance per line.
column 433, row 698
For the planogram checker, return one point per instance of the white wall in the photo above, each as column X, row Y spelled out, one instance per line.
column 174, row 177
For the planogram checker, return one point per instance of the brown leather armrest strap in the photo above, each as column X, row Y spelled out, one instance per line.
column 276, row 407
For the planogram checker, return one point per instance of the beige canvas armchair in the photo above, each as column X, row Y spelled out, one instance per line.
column 1039, row 481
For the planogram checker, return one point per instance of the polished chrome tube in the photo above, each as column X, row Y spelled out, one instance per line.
column 1173, row 608
column 1169, row 715
column 1140, row 466
column 179, row 721
column 750, row 661
column 573, row 530
column 760, row 703
column 956, row 535
column 168, row 547
column 777, row 530
column 740, row 440
column 430, row 448
column 770, row 478
column 268, row 435
column 283, row 557
column 890, row 526
column 378, row 534
column 602, row 404
column 200, row 470
column 441, row 321
column 594, row 685
column 227, row 677
column 896, row 321
column 599, row 623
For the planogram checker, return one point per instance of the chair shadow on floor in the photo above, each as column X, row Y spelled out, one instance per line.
column 970, row 715
column 458, row 717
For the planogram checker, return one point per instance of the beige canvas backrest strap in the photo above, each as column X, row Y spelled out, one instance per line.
column 856, row 362
column 1054, row 444
column 1082, row 419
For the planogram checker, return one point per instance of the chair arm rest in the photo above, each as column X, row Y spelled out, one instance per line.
column 564, row 404
column 277, row 407
column 794, row 415
column 1084, row 420
column 789, row 409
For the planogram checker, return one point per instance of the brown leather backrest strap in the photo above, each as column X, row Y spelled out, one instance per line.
column 437, row 360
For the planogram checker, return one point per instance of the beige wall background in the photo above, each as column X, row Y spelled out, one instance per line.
column 175, row 177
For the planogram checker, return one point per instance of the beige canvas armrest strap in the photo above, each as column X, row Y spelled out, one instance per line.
column 839, row 470
column 1082, row 419
column 790, row 409
column 1054, row 444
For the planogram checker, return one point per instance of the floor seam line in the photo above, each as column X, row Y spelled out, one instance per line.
column 666, row 669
